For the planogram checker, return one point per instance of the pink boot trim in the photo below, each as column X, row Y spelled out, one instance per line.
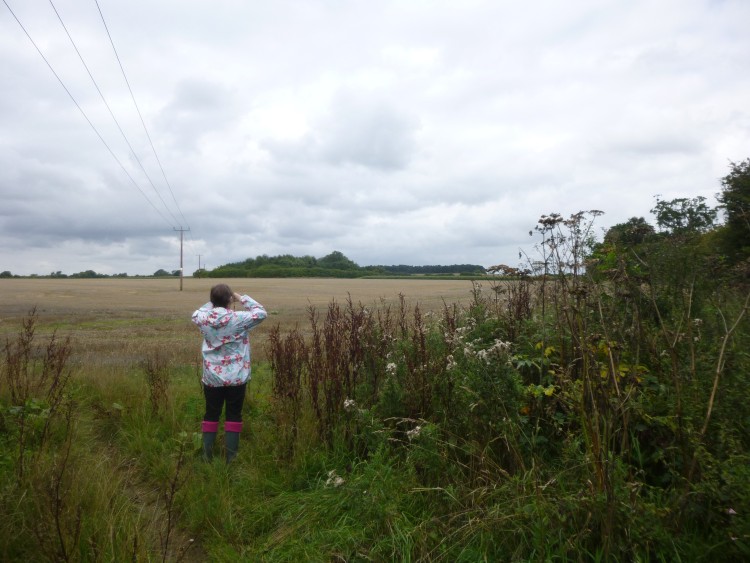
column 209, row 426
column 230, row 426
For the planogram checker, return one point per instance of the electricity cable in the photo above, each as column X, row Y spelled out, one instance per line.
column 38, row 50
column 109, row 109
column 137, row 109
column 143, row 123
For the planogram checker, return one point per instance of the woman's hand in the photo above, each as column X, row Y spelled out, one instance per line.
column 236, row 297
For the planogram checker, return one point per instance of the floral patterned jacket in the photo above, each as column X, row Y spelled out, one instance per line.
column 226, row 345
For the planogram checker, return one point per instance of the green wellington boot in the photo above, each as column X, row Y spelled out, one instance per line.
column 232, row 438
column 209, row 429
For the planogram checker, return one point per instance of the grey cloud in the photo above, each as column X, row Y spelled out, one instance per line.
column 358, row 131
column 299, row 223
column 402, row 132
column 367, row 133
column 198, row 108
column 653, row 136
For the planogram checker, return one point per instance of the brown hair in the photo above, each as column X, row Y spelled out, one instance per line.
column 221, row 295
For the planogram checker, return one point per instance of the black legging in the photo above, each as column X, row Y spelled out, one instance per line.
column 233, row 395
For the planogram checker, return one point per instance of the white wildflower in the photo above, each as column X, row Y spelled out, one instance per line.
column 451, row 338
column 498, row 350
column 334, row 480
column 390, row 368
column 451, row 363
column 414, row 432
column 349, row 405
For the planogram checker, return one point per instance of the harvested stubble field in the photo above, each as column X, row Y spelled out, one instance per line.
column 115, row 320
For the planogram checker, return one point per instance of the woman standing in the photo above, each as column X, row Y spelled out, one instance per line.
column 226, row 363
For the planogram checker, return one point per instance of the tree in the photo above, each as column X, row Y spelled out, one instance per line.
column 633, row 232
column 87, row 274
column 337, row 261
column 161, row 272
column 6, row 274
column 684, row 216
column 735, row 200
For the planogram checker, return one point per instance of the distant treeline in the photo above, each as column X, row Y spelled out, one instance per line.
column 465, row 269
column 90, row 274
column 334, row 265
column 87, row 274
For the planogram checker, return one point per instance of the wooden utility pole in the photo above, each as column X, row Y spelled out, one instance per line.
column 182, row 231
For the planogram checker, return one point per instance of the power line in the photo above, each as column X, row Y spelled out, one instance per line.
column 137, row 109
column 117, row 123
column 38, row 50
column 143, row 123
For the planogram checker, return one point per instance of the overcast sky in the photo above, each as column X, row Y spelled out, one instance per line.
column 397, row 132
